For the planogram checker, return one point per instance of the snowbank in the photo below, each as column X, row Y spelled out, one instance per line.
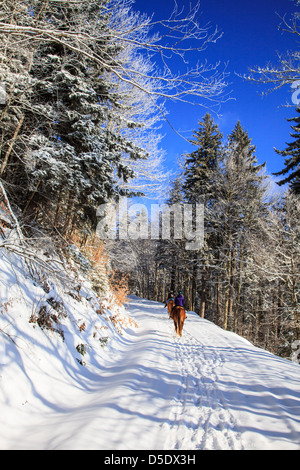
column 54, row 337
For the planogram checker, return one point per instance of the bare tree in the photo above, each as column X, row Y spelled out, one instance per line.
column 287, row 69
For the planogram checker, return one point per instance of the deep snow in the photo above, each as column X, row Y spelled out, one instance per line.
column 140, row 387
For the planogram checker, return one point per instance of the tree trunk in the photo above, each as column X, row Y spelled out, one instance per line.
column 203, row 292
column 10, row 147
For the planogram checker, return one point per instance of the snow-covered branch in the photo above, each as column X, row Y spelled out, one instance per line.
column 287, row 68
column 178, row 36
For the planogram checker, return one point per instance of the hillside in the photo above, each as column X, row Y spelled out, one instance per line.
column 101, row 377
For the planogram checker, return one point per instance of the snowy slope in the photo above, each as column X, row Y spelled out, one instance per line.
column 140, row 387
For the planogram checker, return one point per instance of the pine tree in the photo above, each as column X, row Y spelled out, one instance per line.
column 199, row 187
column 241, row 207
column 201, row 164
column 291, row 171
column 74, row 158
column 242, row 161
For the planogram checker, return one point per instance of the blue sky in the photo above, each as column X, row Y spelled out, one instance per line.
column 250, row 37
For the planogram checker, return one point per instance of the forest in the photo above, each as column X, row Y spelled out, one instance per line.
column 81, row 102
column 246, row 276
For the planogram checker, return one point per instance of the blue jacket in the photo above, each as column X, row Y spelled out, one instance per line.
column 179, row 300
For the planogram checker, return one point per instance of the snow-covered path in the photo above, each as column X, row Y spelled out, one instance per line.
column 209, row 389
column 220, row 391
column 183, row 374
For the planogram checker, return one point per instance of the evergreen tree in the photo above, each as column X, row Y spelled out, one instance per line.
column 240, row 208
column 201, row 164
column 92, row 150
column 291, row 171
column 199, row 187
column 74, row 158
column 244, row 171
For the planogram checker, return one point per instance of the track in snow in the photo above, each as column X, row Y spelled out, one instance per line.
column 229, row 394
column 201, row 419
column 149, row 390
